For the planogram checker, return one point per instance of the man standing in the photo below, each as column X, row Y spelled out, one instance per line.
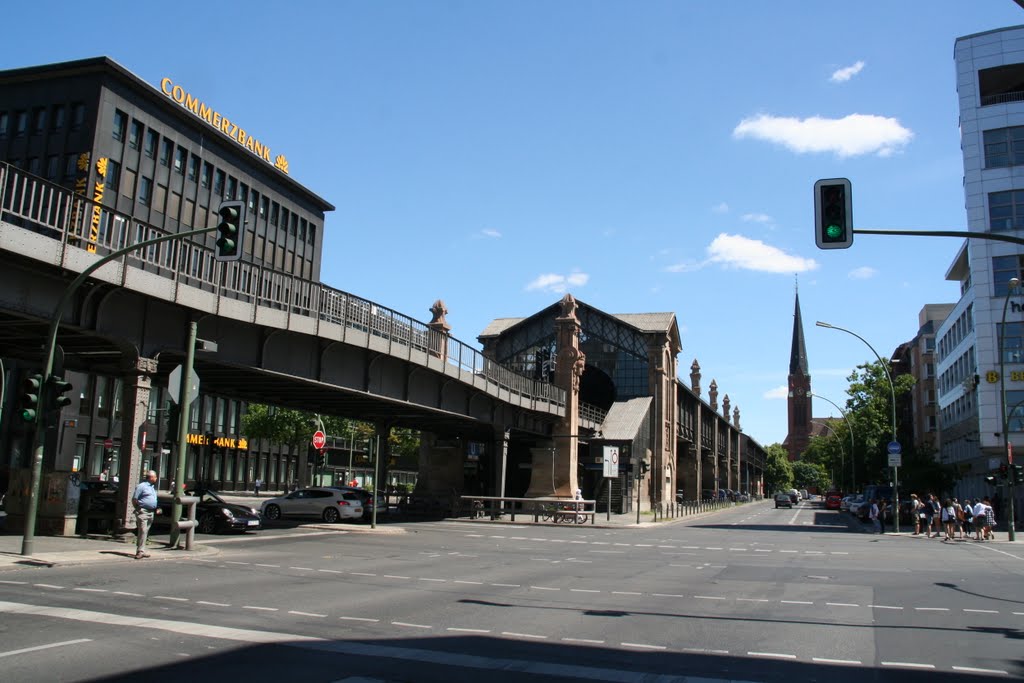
column 257, row 486
column 874, row 516
column 144, row 502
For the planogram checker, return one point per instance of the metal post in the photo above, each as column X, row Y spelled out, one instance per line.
column 892, row 388
column 609, row 506
column 853, row 469
column 1011, row 287
column 51, row 350
column 373, row 500
column 184, row 403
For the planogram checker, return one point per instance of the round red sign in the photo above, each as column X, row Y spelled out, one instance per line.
column 319, row 439
column 108, row 443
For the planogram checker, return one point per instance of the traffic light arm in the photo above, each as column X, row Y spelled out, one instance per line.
column 944, row 233
column 28, row 540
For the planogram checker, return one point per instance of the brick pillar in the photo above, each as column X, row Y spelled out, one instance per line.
column 136, row 386
column 439, row 330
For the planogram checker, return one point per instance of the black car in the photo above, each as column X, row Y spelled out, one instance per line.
column 213, row 514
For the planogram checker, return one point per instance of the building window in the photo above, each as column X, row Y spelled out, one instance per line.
column 34, row 165
column 174, row 205
column 57, row 120
column 302, row 230
column 85, row 396
column 70, row 165
column 52, row 167
column 165, row 152
column 1006, row 210
column 39, row 121
column 151, row 140
column 218, row 183
column 1005, row 268
column 5, row 120
column 21, row 119
column 112, row 180
column 243, row 192
column 1004, row 147
column 135, row 135
column 232, row 188
column 77, row 115
column 145, row 191
column 204, row 179
column 179, row 159
column 190, row 210
column 120, row 125
column 193, row 168
column 160, row 198
column 274, row 208
column 1015, row 411
column 264, row 203
column 128, row 189
column 1013, row 344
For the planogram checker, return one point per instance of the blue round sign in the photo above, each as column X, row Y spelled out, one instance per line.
column 894, row 448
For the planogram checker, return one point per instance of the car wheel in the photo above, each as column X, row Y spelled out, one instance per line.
column 207, row 524
column 272, row 512
column 331, row 515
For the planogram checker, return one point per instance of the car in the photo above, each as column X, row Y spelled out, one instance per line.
column 214, row 515
column 794, row 496
column 833, row 501
column 803, row 495
column 330, row 505
column 844, row 504
column 856, row 506
column 364, row 498
column 783, row 499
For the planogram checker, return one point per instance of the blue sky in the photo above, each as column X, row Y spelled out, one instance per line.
column 654, row 156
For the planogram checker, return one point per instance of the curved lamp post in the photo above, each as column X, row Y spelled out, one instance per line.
column 829, row 427
column 892, row 388
column 1011, row 287
column 853, row 469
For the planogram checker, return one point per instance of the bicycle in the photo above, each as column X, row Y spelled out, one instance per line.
column 548, row 512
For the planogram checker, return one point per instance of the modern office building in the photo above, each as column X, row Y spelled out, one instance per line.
column 971, row 371
column 166, row 157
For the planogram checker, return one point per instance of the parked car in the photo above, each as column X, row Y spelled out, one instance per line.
column 844, row 505
column 803, row 495
column 832, row 501
column 214, row 515
column 330, row 505
column 364, row 499
column 783, row 499
column 794, row 496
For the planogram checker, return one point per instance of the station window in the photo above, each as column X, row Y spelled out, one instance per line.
column 39, row 121
column 193, row 168
column 165, row 152
column 21, row 123
column 5, row 120
column 112, row 180
column 1006, row 210
column 1004, row 147
column 70, row 165
column 264, row 202
column 204, row 179
column 135, row 134
column 218, row 183
column 152, row 137
column 145, row 191
column 120, row 125
column 77, row 115
column 232, row 188
column 274, row 208
column 57, row 120
column 52, row 167
column 179, row 159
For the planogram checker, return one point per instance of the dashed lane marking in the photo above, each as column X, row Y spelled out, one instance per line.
column 307, row 614
column 408, row 625
column 271, row 566
column 932, row 609
column 261, row 609
column 644, row 646
column 795, row 602
column 330, row 571
column 367, row 620
column 667, row 595
column 394, row 576
column 169, row 597
column 213, row 604
column 434, row 580
column 707, row 597
column 513, row 634
column 467, row 630
column 302, row 569
column 982, row 611
column 752, row 600
column 92, row 590
column 471, row 583
column 842, row 604
column 48, row 585
column 773, row 655
column 130, row 595
column 976, row 670
column 48, row 646
column 826, row 660
column 588, row 641
column 625, row 593
column 506, row 585
column 909, row 665
column 884, row 607
column 362, row 574
column 15, row 583
column 544, row 588
column 583, row 590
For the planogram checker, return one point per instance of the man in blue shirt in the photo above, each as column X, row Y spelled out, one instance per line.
column 144, row 501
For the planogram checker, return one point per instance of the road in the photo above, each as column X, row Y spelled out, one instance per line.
column 751, row 593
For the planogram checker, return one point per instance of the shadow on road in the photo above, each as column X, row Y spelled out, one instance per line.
column 958, row 589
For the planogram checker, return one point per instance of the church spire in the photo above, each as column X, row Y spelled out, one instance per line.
column 798, row 353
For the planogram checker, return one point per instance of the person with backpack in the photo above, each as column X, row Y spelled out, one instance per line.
column 948, row 516
column 968, row 513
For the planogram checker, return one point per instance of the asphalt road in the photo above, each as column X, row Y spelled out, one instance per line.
column 752, row 593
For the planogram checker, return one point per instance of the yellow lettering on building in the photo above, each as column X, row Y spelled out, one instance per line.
column 214, row 118
column 1016, row 376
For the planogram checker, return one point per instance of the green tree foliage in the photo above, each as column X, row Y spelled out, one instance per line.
column 809, row 475
column 778, row 473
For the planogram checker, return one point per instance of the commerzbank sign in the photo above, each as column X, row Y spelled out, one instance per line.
column 222, row 123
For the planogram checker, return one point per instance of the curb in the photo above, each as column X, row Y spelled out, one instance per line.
column 596, row 525
column 356, row 529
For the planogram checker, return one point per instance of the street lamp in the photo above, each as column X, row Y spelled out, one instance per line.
column 827, row 426
column 853, row 468
column 892, row 388
column 1011, row 287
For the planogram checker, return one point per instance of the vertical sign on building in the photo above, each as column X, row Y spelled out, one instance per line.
column 611, row 461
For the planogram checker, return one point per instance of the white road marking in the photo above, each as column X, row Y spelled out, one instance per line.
column 307, row 614
column 752, row 600
column 523, row 635
column 761, row 550
column 470, row 583
column 302, row 569
column 825, row 660
column 15, row 583
column 789, row 551
column 707, row 597
column 330, row 571
column 272, row 566
column 506, row 585
column 909, row 665
column 712, row 548
column 932, row 609
column 48, row 585
column 648, row 545
column 92, row 590
column 667, row 595
column 234, row 562
column 213, row 604
column 671, row 547
column 132, row 595
column 408, row 625
column 975, row 670
column 168, row 597
column 775, row 655
column 884, row 607
column 982, row 611
column 434, row 580
column 740, row 550
column 838, row 552
column 608, row 552
column 544, row 588
column 468, row 630
column 796, row 602
column 361, row 574
column 625, row 593
column 793, row 521
column 842, row 604
column 583, row 590
column 474, row 535
column 262, row 609
column 583, row 640
column 644, row 646
column 371, row 621
column 394, row 576
column 36, row 648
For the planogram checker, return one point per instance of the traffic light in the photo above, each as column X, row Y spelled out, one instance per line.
column 173, row 415
column 645, row 466
column 230, row 231
column 321, row 458
column 1018, row 474
column 55, row 398
column 991, row 480
column 1004, row 469
column 29, row 401
column 833, row 213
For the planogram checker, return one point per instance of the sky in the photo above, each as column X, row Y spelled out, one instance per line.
column 644, row 156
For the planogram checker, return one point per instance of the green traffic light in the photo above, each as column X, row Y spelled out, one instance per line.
column 28, row 415
column 834, row 232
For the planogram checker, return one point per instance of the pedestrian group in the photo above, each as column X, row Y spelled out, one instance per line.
column 951, row 520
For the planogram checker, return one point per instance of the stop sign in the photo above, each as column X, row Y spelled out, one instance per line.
column 319, row 439
column 108, row 443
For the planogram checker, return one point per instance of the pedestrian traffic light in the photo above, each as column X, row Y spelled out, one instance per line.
column 833, row 213
column 55, row 398
column 990, row 480
column 229, row 231
column 29, row 401
column 1017, row 472
column 1004, row 469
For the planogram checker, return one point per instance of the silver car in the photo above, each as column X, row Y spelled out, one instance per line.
column 330, row 505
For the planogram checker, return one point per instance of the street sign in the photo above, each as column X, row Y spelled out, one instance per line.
column 611, row 461
column 319, row 439
column 108, row 443
column 174, row 385
column 895, row 460
column 894, row 448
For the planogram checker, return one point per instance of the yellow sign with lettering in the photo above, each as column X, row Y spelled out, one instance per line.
column 222, row 123
column 97, row 211
column 240, row 443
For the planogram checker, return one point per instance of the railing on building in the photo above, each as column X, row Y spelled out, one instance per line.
column 591, row 413
column 48, row 209
column 1002, row 98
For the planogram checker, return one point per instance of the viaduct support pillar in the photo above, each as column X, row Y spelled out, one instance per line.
column 135, row 393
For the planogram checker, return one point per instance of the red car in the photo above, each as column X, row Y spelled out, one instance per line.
column 832, row 501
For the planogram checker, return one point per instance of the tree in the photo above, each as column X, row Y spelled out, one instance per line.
column 869, row 409
column 778, row 473
column 809, row 475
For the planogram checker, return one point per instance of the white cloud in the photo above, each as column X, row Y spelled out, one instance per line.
column 862, row 273
column 756, row 218
column 721, row 207
column 491, row 232
column 849, row 136
column 781, row 391
column 557, row 284
column 847, row 72
column 737, row 251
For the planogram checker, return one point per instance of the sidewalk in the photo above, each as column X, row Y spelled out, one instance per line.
column 617, row 521
column 50, row 551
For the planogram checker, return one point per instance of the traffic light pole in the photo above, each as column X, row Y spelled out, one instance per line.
column 184, row 404
column 944, row 233
column 1012, row 286
column 28, row 541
